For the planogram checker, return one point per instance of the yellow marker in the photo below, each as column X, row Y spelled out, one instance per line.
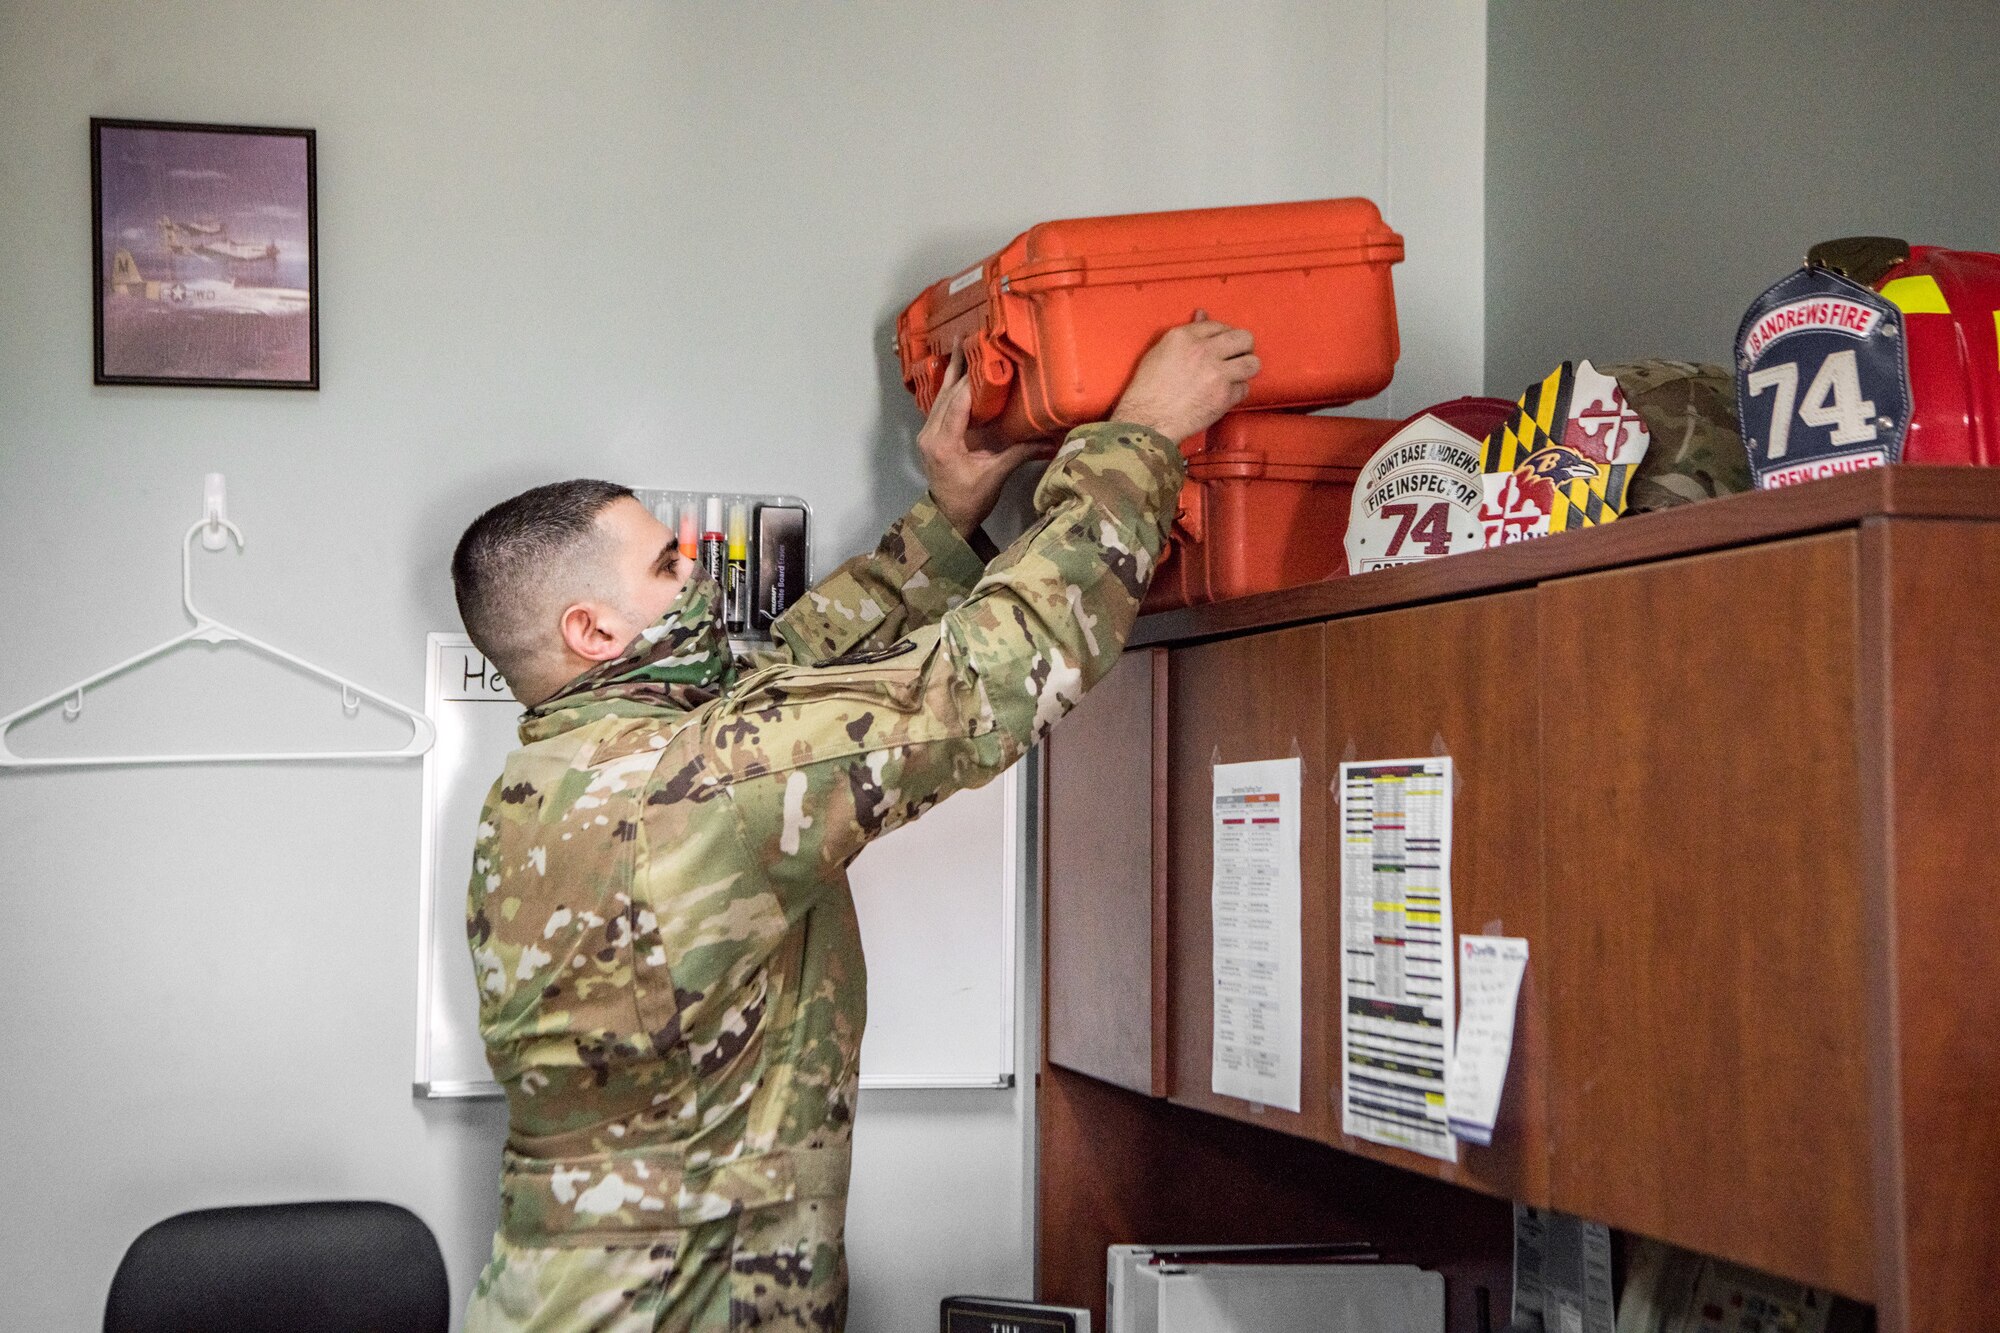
column 739, row 531
column 1918, row 294
column 736, row 585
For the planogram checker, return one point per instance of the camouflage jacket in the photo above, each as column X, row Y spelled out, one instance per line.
column 670, row 975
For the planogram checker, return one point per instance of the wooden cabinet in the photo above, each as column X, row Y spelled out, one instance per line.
column 1701, row 812
column 1456, row 678
column 1104, row 926
column 1731, row 769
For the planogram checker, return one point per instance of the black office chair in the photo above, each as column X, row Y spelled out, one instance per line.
column 332, row 1267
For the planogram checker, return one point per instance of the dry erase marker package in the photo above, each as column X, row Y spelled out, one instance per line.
column 725, row 533
column 781, row 571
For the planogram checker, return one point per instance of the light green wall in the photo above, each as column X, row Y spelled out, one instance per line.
column 655, row 241
column 1651, row 168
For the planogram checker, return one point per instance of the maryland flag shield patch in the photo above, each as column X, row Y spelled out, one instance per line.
column 1563, row 460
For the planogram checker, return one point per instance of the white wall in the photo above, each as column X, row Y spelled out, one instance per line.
column 660, row 242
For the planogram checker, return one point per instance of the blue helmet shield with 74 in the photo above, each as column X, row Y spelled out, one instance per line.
column 1822, row 380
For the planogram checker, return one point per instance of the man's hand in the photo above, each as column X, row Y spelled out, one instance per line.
column 1189, row 378
column 965, row 467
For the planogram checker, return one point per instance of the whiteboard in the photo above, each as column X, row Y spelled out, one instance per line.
column 936, row 900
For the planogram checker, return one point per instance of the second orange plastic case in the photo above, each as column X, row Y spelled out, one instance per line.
column 1265, row 506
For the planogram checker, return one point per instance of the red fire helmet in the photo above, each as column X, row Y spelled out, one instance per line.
column 1950, row 301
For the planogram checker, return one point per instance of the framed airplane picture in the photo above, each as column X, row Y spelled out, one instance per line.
column 206, row 255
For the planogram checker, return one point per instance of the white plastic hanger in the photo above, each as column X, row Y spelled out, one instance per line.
column 213, row 527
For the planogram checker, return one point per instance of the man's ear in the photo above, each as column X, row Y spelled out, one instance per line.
column 588, row 632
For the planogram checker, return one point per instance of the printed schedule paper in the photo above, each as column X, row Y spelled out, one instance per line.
column 1254, row 901
column 1395, row 952
column 1489, row 986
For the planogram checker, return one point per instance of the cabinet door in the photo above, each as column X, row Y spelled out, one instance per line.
column 1456, row 679
column 1257, row 697
column 1702, row 831
column 1934, row 596
column 1105, row 772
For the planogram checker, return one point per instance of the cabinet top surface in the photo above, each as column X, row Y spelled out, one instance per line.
column 1906, row 491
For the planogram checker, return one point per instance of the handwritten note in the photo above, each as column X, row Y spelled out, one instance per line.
column 1489, row 985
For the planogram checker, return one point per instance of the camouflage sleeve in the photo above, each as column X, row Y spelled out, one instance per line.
column 823, row 759
column 919, row 570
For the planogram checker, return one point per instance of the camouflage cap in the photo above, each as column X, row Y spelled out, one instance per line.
column 1697, row 452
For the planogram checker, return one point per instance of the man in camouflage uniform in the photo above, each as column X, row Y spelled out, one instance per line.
column 670, row 976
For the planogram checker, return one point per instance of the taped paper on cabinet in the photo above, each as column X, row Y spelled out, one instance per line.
column 1489, row 985
column 1254, row 901
column 1395, row 952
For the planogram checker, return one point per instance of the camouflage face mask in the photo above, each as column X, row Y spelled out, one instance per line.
column 681, row 661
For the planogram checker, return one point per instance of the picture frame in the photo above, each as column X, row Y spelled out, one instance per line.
column 205, row 255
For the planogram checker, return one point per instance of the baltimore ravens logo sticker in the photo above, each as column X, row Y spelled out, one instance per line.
column 1563, row 460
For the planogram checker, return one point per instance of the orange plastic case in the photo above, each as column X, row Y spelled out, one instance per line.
column 1265, row 506
column 1054, row 325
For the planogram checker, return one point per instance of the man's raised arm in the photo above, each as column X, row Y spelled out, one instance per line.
column 825, row 758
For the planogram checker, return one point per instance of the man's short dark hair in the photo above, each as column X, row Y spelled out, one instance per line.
column 515, row 559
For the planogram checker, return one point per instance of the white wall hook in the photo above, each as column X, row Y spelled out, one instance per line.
column 350, row 702
column 73, row 706
column 215, row 512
